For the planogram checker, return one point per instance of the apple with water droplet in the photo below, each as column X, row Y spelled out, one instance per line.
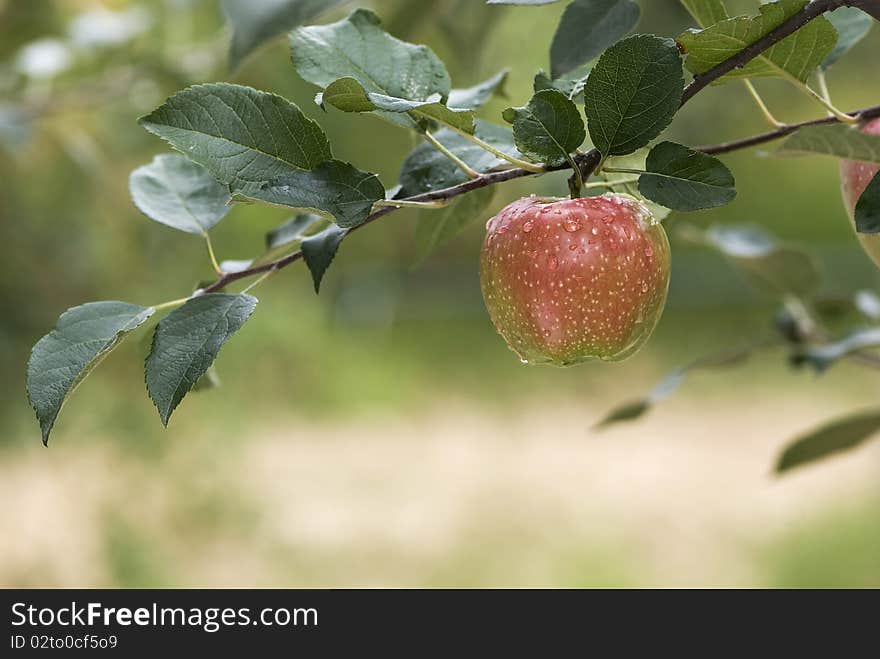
column 854, row 178
column 572, row 280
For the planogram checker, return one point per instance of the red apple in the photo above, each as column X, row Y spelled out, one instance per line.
column 571, row 280
column 854, row 178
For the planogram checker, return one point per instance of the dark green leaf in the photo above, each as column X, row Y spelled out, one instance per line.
column 634, row 409
column 64, row 357
column 632, row 93
column 571, row 84
column 334, row 187
column 835, row 437
column 686, row 180
column 437, row 227
column 471, row 98
column 587, row 28
column 294, row 229
column 348, row 95
column 796, row 56
column 319, row 250
column 867, row 215
column 179, row 193
column 548, row 129
column 357, row 47
column 254, row 22
column 837, row 140
column 852, row 26
column 426, row 169
column 186, row 343
column 242, row 136
column 637, row 161
column 706, row 12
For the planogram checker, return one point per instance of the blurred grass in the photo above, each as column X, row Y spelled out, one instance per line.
column 386, row 343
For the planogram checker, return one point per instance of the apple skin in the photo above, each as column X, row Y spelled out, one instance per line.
column 854, row 178
column 573, row 280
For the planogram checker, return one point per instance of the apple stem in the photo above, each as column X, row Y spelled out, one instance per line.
column 576, row 182
column 467, row 169
column 773, row 121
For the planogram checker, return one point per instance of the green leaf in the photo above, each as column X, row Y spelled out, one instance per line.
column 319, row 250
column 334, row 187
column 254, row 22
column 437, row 227
column 768, row 265
column 796, row 56
column 838, row 436
column 634, row 409
column 706, row 12
column 867, row 214
column 686, row 180
column 548, row 129
column 242, row 136
column 587, row 28
column 179, row 193
column 852, row 26
column 632, row 93
column 839, row 140
column 186, row 343
column 426, row 168
column 292, row 230
column 64, row 357
column 357, row 47
column 471, row 98
column 348, row 95
column 571, row 84
column 636, row 161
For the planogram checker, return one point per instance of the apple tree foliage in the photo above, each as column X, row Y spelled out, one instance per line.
column 600, row 113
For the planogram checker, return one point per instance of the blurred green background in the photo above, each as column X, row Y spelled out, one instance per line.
column 382, row 434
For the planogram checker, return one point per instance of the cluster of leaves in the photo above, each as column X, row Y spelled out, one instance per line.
column 236, row 143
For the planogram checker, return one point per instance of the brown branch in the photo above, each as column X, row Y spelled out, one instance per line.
column 783, row 131
column 785, row 29
column 589, row 161
column 870, row 7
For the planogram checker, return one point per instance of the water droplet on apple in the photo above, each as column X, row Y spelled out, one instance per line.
column 528, row 226
column 571, row 224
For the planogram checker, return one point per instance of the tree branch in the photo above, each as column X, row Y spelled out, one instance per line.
column 785, row 29
column 589, row 161
column 782, row 131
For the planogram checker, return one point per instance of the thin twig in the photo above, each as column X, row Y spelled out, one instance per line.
column 770, row 136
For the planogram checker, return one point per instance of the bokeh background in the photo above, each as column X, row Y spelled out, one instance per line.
column 382, row 434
